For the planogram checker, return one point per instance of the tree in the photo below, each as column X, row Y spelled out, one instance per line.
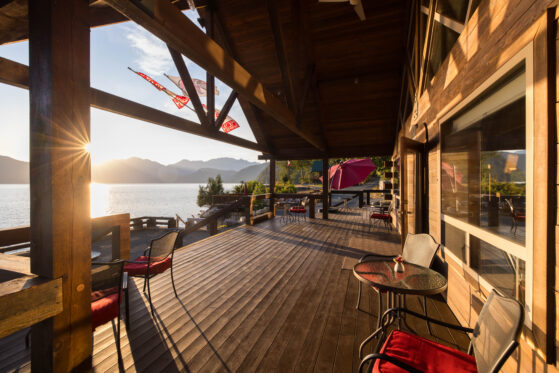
column 205, row 193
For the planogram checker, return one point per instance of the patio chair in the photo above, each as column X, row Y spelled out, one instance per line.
column 516, row 214
column 300, row 211
column 108, row 283
column 494, row 338
column 381, row 214
column 419, row 249
column 157, row 258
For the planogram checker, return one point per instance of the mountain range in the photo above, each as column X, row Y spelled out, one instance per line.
column 137, row 170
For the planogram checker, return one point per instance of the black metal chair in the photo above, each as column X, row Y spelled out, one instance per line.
column 108, row 283
column 157, row 258
column 494, row 338
column 418, row 249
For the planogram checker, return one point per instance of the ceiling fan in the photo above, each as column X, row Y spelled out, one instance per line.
column 357, row 6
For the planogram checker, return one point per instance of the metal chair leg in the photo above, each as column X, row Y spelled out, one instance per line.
column 379, row 316
column 127, row 309
column 359, row 295
column 173, row 282
column 144, row 284
column 425, row 310
column 149, row 297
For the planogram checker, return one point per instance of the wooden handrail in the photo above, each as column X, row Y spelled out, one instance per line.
column 212, row 219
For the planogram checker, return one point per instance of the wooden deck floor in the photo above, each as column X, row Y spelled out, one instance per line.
column 271, row 297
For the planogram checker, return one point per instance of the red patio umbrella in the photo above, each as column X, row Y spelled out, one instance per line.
column 350, row 172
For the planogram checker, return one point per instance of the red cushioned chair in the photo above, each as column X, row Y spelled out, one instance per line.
column 300, row 210
column 494, row 338
column 108, row 281
column 157, row 258
column 381, row 214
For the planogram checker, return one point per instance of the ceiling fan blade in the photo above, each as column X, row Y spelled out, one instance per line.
column 358, row 7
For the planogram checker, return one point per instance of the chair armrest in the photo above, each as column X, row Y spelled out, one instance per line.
column 393, row 360
column 366, row 257
column 434, row 321
column 146, row 251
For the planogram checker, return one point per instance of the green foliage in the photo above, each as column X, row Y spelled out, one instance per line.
column 205, row 193
column 285, row 188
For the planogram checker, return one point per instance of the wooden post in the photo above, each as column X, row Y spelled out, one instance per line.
column 272, row 186
column 311, row 208
column 60, row 173
column 360, row 199
column 325, row 182
column 368, row 194
column 212, row 227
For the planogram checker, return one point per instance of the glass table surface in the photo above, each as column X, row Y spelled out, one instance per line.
column 414, row 280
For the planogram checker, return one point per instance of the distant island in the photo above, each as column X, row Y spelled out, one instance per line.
column 137, row 170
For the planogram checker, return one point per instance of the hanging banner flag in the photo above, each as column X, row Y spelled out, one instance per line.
column 180, row 101
column 229, row 124
column 199, row 85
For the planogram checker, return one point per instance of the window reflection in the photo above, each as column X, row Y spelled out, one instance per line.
column 483, row 162
column 502, row 270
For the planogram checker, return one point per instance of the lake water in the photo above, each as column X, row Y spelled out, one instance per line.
column 106, row 199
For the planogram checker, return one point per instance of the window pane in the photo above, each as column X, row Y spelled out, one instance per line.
column 483, row 162
column 454, row 239
column 455, row 9
column 504, row 271
column 442, row 42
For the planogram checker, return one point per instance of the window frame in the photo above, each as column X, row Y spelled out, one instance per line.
column 526, row 252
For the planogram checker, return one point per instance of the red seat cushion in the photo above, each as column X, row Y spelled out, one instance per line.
column 298, row 210
column 104, row 308
column 423, row 354
column 156, row 266
column 380, row 216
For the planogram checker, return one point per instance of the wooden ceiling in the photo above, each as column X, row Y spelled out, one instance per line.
column 353, row 69
column 340, row 77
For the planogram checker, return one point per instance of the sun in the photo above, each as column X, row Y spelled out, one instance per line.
column 87, row 147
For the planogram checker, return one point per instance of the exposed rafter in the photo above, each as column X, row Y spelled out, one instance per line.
column 16, row 74
column 173, row 27
column 248, row 108
column 225, row 109
column 189, row 86
column 287, row 75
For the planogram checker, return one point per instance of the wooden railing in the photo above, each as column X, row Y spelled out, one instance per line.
column 13, row 239
column 153, row 222
column 211, row 221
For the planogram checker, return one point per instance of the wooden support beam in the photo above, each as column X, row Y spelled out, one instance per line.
column 16, row 74
column 250, row 111
column 189, row 86
column 225, row 110
column 174, row 28
column 287, row 75
column 426, row 47
column 210, row 79
column 272, row 186
column 325, row 187
column 309, row 78
column 60, row 170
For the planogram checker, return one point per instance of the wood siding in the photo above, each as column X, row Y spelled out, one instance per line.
column 497, row 31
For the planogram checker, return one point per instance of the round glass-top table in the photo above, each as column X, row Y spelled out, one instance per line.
column 414, row 280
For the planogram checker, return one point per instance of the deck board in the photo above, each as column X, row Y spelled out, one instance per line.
column 271, row 297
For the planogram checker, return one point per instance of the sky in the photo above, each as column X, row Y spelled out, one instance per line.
column 113, row 49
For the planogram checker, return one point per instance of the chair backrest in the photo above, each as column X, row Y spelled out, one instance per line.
column 420, row 249
column 163, row 246
column 106, row 275
column 496, row 332
column 304, row 201
column 508, row 202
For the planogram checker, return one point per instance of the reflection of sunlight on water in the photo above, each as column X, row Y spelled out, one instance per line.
column 99, row 199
